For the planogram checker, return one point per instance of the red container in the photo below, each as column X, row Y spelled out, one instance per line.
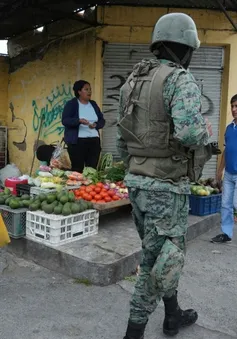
column 12, row 182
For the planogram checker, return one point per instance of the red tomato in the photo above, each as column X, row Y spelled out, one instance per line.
column 100, row 202
column 100, row 185
column 85, row 196
column 92, row 187
column 88, row 189
column 108, row 199
column 93, row 201
column 115, row 197
column 97, row 189
column 97, row 197
column 103, row 194
column 111, row 193
column 92, row 193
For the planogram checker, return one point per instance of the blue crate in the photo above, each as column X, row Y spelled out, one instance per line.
column 205, row 205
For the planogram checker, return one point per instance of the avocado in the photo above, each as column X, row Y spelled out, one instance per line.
column 55, row 203
column 7, row 191
column 71, row 197
column 66, row 211
column 51, row 198
column 8, row 201
column 64, row 199
column 75, row 208
column 14, row 204
column 48, row 208
column 25, row 197
column 42, row 197
column 26, row 203
column 58, row 210
column 33, row 207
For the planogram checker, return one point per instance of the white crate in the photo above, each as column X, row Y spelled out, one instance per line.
column 55, row 230
column 34, row 191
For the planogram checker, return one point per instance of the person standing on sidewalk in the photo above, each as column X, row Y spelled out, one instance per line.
column 164, row 141
column 229, row 191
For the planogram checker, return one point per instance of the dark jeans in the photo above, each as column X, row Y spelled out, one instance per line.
column 85, row 153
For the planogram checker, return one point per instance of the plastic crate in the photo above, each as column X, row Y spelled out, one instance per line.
column 205, row 205
column 23, row 189
column 15, row 221
column 57, row 230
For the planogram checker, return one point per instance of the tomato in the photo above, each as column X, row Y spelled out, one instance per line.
column 100, row 185
column 104, row 190
column 108, row 199
column 111, row 193
column 92, row 187
column 97, row 189
column 82, row 188
column 115, row 197
column 100, row 202
column 88, row 189
column 89, row 198
column 97, row 197
column 78, row 198
column 93, row 201
column 92, row 193
column 85, row 196
column 103, row 194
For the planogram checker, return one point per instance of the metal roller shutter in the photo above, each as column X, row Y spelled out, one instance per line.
column 206, row 66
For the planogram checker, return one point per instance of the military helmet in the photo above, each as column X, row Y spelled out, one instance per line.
column 175, row 27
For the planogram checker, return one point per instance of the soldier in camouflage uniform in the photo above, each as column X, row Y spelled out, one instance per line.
column 158, row 184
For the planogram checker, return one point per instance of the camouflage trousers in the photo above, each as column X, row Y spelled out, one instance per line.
column 161, row 221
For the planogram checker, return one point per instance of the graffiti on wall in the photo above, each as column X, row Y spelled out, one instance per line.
column 113, row 93
column 19, row 126
column 47, row 117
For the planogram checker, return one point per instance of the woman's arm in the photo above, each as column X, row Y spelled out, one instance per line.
column 101, row 121
column 67, row 117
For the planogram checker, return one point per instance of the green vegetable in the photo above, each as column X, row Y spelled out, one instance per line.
column 115, row 174
column 106, row 161
column 91, row 174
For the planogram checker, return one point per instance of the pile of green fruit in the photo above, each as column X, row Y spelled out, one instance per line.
column 206, row 187
column 61, row 203
column 6, row 198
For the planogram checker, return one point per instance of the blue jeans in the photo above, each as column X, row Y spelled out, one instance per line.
column 229, row 202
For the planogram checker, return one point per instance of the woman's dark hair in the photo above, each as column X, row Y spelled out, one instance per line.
column 233, row 99
column 78, row 86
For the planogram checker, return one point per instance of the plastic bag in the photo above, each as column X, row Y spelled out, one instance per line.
column 4, row 236
column 60, row 158
column 9, row 171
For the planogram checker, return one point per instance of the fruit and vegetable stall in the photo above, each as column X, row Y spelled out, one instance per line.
column 62, row 198
column 57, row 206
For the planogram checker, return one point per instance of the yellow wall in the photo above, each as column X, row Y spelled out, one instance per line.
column 44, row 86
column 31, row 87
column 4, row 78
column 135, row 25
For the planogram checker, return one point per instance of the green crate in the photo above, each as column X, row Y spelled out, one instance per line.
column 15, row 221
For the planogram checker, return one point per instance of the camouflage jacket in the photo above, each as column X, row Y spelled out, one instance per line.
column 182, row 99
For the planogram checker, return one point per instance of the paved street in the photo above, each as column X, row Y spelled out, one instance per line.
column 37, row 303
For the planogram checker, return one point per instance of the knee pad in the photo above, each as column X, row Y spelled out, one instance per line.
column 168, row 267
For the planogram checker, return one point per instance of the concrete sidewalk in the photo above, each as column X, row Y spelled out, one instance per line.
column 40, row 304
column 105, row 258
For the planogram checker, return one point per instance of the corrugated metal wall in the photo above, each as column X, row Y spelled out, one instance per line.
column 206, row 66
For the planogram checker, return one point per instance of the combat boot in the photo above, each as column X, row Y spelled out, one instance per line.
column 135, row 331
column 175, row 318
